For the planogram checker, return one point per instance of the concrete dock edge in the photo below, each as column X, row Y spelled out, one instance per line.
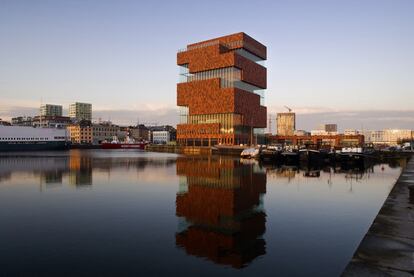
column 388, row 247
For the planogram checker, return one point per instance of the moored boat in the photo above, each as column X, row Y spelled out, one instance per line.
column 310, row 156
column 271, row 154
column 250, row 153
column 355, row 156
column 290, row 157
column 129, row 143
column 22, row 138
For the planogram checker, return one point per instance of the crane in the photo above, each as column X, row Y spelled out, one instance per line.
column 289, row 109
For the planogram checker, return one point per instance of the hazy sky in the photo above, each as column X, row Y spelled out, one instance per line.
column 324, row 57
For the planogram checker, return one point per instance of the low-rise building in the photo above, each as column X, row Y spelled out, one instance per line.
column 325, row 130
column 160, row 135
column 351, row 132
column 139, row 132
column 51, row 121
column 81, row 133
column 322, row 133
column 22, row 121
column 301, row 133
column 374, row 137
column 397, row 136
column 104, row 132
column 390, row 137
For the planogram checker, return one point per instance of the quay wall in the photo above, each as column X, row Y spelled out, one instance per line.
column 388, row 247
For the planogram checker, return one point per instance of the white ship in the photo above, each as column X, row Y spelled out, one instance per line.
column 19, row 138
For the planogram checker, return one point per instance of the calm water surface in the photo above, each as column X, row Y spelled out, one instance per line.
column 120, row 213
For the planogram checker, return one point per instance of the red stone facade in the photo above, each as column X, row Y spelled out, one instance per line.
column 208, row 96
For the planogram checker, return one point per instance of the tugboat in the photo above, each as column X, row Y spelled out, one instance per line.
column 129, row 143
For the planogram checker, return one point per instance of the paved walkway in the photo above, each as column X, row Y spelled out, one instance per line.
column 388, row 247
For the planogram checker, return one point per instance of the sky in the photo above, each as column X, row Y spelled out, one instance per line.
column 346, row 62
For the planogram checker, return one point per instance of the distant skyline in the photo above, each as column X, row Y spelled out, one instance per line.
column 345, row 62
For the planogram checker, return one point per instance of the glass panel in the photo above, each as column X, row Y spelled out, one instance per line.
column 250, row 56
column 183, row 110
column 227, row 121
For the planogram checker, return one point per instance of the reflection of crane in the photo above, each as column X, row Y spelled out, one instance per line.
column 289, row 109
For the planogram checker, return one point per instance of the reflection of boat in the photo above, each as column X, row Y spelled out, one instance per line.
column 312, row 173
column 129, row 143
column 250, row 153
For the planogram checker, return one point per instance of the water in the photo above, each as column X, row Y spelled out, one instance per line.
column 120, row 213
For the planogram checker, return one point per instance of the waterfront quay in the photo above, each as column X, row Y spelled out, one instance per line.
column 388, row 247
column 209, row 215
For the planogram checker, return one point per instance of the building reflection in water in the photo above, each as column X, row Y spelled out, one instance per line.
column 52, row 177
column 77, row 167
column 220, row 205
column 80, row 169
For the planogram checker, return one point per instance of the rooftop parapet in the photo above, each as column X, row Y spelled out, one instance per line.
column 234, row 41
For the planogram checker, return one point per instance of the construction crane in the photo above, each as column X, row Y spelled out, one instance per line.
column 289, row 109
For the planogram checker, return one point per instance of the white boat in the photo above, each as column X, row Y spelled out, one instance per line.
column 250, row 153
column 22, row 138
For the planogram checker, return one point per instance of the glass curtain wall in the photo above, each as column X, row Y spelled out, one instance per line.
column 228, row 121
column 229, row 77
column 183, row 111
column 250, row 56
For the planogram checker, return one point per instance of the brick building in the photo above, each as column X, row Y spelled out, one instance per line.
column 139, row 132
column 220, row 94
column 80, row 133
column 104, row 132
